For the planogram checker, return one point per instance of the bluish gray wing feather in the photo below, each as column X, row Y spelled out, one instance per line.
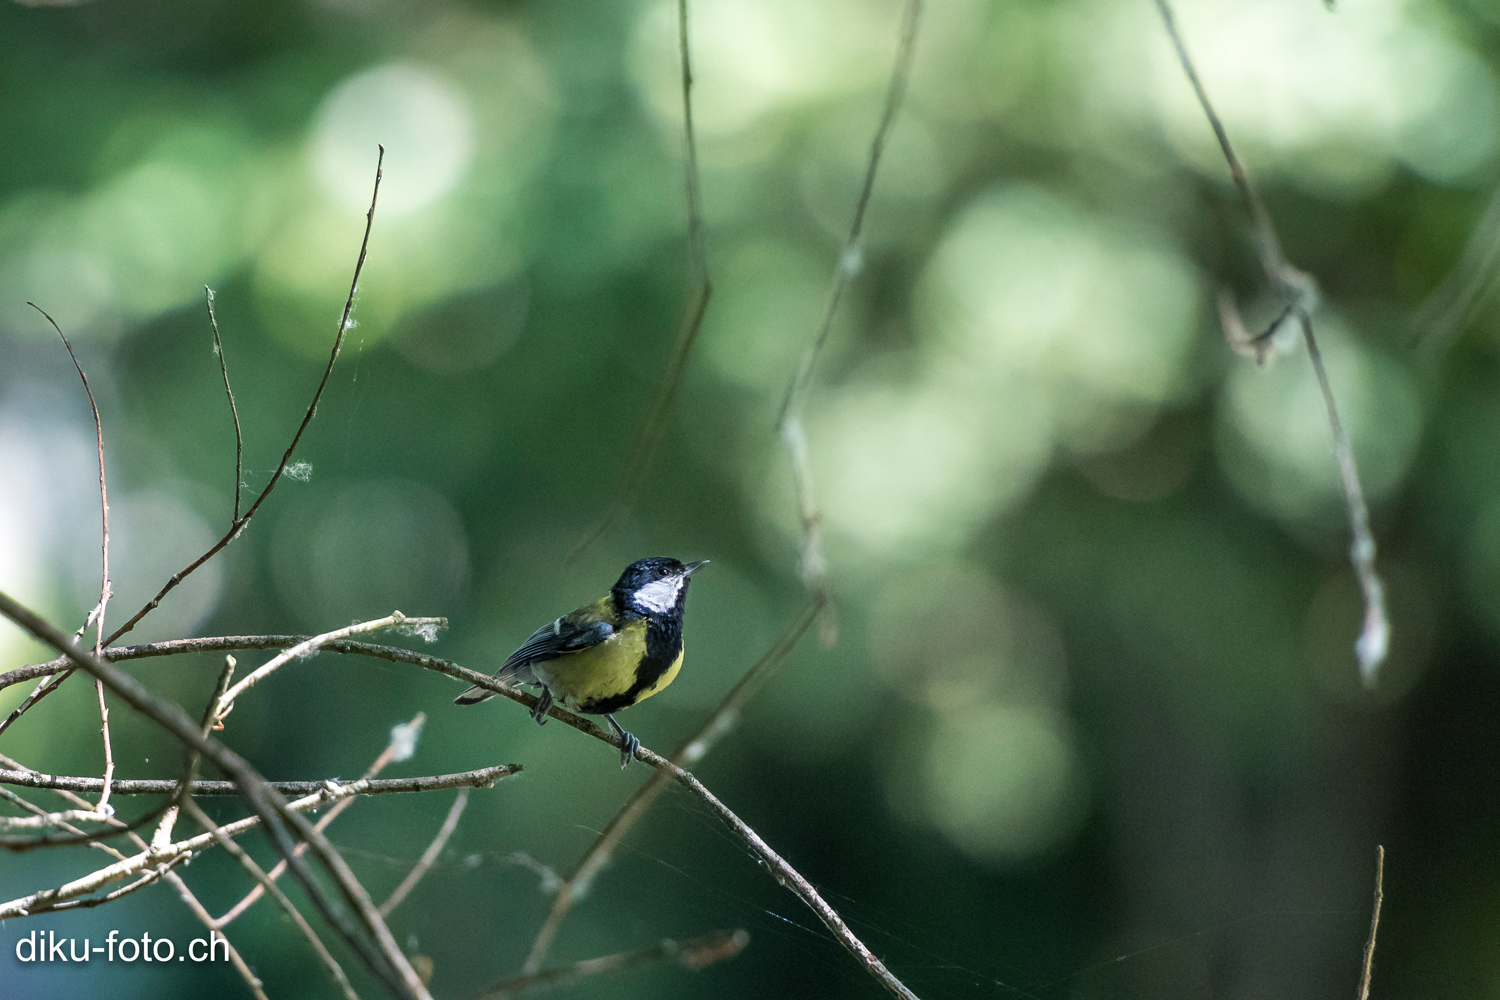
column 552, row 641
column 565, row 635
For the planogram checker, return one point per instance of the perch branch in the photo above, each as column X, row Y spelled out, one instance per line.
column 780, row 870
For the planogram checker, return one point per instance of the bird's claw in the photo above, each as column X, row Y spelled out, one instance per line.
column 543, row 703
column 629, row 745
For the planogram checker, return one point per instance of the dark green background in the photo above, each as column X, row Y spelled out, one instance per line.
column 1140, row 616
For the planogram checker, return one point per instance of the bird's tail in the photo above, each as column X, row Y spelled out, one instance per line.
column 519, row 674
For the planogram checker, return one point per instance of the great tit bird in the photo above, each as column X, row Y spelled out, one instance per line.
column 610, row 654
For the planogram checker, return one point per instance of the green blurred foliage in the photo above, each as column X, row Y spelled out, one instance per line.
column 1092, row 726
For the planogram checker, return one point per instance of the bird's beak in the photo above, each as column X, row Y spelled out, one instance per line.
column 690, row 567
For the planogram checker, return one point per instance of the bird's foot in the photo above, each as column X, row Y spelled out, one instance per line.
column 628, row 743
column 628, row 750
column 543, row 702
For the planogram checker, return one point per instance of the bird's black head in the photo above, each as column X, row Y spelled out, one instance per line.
column 653, row 587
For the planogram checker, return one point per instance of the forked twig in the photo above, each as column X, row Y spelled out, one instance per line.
column 1300, row 292
column 654, row 426
column 719, row 722
column 814, row 568
column 394, row 620
column 201, row 912
column 240, row 522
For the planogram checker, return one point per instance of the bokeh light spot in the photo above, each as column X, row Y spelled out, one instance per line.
column 424, row 123
column 1003, row 781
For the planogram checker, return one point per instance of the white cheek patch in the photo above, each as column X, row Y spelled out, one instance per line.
column 660, row 595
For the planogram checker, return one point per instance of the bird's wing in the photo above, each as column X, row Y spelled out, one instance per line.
column 574, row 631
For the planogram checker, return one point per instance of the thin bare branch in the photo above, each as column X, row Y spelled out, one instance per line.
column 718, row 723
column 176, row 647
column 814, row 568
column 429, row 856
column 109, row 756
column 241, row 522
column 1268, row 246
column 394, row 620
column 201, row 912
column 1368, row 965
column 226, row 674
column 41, row 818
column 653, row 427
column 365, row 931
column 152, row 875
column 329, row 794
column 259, row 874
column 408, row 734
column 312, row 408
column 239, row 443
column 482, row 777
column 696, row 954
column 850, row 257
column 51, row 819
column 1300, row 292
column 1375, row 636
column 96, row 616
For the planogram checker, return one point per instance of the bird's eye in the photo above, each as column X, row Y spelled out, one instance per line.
column 661, row 571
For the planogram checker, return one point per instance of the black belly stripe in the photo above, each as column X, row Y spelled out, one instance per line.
column 663, row 644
